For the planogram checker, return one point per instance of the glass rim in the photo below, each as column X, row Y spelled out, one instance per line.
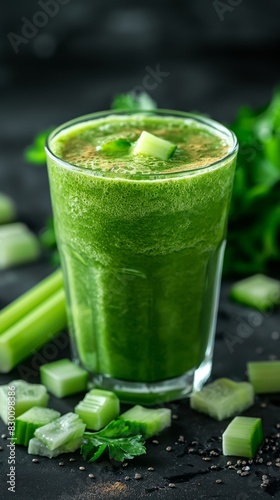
column 208, row 122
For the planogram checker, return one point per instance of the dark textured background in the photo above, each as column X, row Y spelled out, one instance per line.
column 84, row 55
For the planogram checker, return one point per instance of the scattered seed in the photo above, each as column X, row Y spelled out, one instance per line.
column 244, row 462
column 277, row 464
column 191, row 450
column 82, row 467
column 168, row 448
column 277, row 426
column 155, row 441
column 194, row 443
column 260, row 460
column 127, row 478
column 151, row 469
column 263, row 405
column 1, row 449
column 206, row 459
column 277, row 460
column 245, row 473
column 229, row 462
column 35, row 460
column 268, row 463
column 239, row 462
column 91, row 476
column 219, row 481
column 175, row 416
column 72, row 459
column 250, row 461
column 61, row 463
column 213, row 467
column 246, row 468
column 125, row 464
column 3, row 436
column 181, row 439
column 263, row 485
column 231, row 467
column 172, row 485
column 239, row 471
column 137, row 476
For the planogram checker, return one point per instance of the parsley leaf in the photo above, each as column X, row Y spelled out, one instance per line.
column 133, row 102
column 35, row 153
column 121, row 437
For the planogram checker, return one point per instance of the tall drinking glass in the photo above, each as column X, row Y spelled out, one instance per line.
column 141, row 241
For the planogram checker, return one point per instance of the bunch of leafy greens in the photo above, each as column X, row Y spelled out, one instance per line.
column 121, row 437
column 254, row 219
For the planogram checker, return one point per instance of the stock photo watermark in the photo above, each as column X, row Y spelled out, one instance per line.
column 223, row 7
column 48, row 353
column 30, row 27
column 11, row 481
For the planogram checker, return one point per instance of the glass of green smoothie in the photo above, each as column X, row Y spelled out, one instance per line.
column 141, row 202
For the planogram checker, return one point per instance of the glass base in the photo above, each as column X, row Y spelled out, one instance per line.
column 157, row 392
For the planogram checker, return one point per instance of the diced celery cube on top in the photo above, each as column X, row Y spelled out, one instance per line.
column 150, row 421
column 63, row 378
column 98, row 408
column 151, row 145
column 25, row 397
column 61, row 431
column 27, row 423
column 223, row 398
column 243, row 437
column 258, row 291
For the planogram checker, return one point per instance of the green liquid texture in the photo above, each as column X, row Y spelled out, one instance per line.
column 141, row 251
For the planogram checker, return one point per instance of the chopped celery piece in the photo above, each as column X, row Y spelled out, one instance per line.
column 116, row 146
column 29, row 300
column 19, row 396
column 61, row 431
column 151, row 145
column 264, row 375
column 150, row 421
column 18, row 245
column 63, row 378
column 258, row 291
column 7, row 209
column 36, row 447
column 27, row 423
column 223, row 398
column 242, row 437
column 32, row 331
column 98, row 408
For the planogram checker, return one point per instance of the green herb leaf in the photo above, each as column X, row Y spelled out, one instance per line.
column 35, row 153
column 133, row 102
column 122, row 439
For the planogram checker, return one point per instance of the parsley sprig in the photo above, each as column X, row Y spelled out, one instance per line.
column 122, row 438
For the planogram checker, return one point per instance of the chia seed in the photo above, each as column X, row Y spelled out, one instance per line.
column 155, row 441
column 127, row 478
column 137, row 476
column 172, row 485
column 206, row 459
column 3, row 436
column 82, row 467
column 219, row 481
column 168, row 448
column 151, row 469
column 35, row 460
column 61, row 463
column 72, row 459
column 1, row 449
column 91, row 476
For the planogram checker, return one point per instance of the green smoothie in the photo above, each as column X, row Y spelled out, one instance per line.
column 141, row 242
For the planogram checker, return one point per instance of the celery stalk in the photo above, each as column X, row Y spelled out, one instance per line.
column 7, row 209
column 264, row 376
column 98, row 408
column 32, row 331
column 17, row 245
column 30, row 300
column 242, row 437
column 36, row 447
column 60, row 431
